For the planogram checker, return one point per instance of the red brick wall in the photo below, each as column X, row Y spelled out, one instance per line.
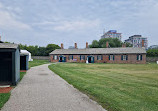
column 132, row 58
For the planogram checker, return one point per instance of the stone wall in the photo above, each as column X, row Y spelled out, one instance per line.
column 41, row 57
column 152, row 59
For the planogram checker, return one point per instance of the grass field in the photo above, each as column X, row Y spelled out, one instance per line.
column 120, row 87
column 5, row 96
column 36, row 62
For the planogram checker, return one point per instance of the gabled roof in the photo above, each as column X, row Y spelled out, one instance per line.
column 127, row 50
column 8, row 46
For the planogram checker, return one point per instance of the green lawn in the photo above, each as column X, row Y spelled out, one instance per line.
column 5, row 96
column 36, row 62
column 120, row 87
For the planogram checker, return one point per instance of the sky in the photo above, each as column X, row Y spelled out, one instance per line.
column 42, row 22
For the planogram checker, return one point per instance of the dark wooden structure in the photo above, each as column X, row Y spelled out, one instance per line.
column 9, row 64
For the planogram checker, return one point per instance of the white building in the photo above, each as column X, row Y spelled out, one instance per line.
column 137, row 41
column 27, row 53
column 112, row 34
column 153, row 47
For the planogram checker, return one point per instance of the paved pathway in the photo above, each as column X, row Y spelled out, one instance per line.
column 42, row 90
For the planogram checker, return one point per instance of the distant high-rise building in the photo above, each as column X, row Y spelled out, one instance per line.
column 138, row 41
column 112, row 34
column 153, row 47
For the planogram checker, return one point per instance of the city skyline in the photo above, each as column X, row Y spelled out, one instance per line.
column 38, row 22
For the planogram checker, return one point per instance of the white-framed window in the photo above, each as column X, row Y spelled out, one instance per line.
column 139, row 57
column 70, row 57
column 55, row 57
column 82, row 57
column 99, row 57
column 124, row 57
column 111, row 57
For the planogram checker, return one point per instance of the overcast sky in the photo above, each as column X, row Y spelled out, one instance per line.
column 40, row 22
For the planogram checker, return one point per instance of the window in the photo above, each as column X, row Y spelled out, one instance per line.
column 139, row 57
column 70, row 57
column 82, row 57
column 55, row 57
column 111, row 57
column 124, row 57
column 99, row 57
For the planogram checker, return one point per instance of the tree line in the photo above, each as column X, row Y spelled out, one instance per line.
column 113, row 42
column 39, row 51
column 152, row 52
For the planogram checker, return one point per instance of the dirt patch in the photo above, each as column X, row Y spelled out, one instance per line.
column 43, row 74
column 23, row 70
column 5, row 90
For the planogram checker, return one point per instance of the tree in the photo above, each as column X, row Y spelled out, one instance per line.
column 95, row 44
column 128, row 45
column 42, row 51
column 152, row 52
column 51, row 47
column 113, row 42
column 39, row 51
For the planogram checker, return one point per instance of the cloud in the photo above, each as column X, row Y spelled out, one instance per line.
column 78, row 20
column 77, row 25
column 68, row 25
column 7, row 21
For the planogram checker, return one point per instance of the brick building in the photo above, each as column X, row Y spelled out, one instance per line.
column 99, row 55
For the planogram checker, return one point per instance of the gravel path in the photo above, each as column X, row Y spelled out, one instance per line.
column 42, row 90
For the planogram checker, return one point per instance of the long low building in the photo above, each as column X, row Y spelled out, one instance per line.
column 100, row 55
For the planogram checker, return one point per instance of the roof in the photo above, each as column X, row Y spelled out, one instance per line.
column 24, row 52
column 8, row 46
column 122, row 50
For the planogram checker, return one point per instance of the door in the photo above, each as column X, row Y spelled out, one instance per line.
column 5, row 67
column 62, row 59
column 90, row 59
column 23, row 63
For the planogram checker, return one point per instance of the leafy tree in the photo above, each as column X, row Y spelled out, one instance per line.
column 42, row 51
column 113, row 42
column 51, row 47
column 152, row 52
column 39, row 51
column 128, row 45
column 95, row 44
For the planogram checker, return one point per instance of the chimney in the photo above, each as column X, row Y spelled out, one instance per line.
column 62, row 46
column 143, row 43
column 107, row 44
column 123, row 45
column 75, row 45
column 86, row 44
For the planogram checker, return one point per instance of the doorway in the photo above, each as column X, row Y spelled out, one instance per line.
column 90, row 59
column 23, row 63
column 5, row 67
column 62, row 59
